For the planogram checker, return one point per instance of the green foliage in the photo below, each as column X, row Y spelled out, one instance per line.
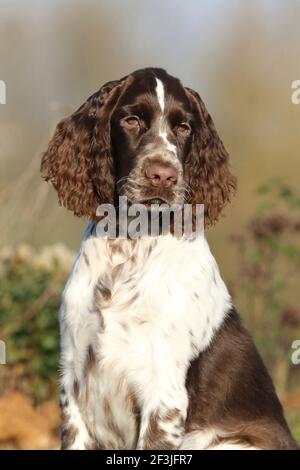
column 293, row 418
column 269, row 268
column 29, row 302
column 267, row 283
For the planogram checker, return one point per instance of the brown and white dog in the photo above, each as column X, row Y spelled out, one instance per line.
column 153, row 353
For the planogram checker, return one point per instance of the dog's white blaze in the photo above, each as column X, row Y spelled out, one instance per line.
column 170, row 147
column 160, row 94
column 162, row 132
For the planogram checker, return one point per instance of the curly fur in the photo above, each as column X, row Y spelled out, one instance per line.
column 78, row 161
column 207, row 167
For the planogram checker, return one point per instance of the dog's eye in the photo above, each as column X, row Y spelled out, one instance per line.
column 130, row 122
column 184, row 129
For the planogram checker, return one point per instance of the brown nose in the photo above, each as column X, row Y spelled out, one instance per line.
column 165, row 176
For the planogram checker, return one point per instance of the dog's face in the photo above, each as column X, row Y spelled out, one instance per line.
column 144, row 136
column 151, row 130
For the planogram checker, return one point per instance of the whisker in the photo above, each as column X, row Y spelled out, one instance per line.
column 123, row 178
column 187, row 190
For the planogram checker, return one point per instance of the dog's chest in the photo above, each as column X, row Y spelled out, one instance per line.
column 155, row 310
column 155, row 304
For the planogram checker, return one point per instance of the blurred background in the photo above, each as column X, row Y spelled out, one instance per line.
column 242, row 58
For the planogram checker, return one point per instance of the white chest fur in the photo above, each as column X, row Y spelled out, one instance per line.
column 146, row 309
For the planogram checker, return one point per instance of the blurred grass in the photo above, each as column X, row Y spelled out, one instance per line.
column 293, row 419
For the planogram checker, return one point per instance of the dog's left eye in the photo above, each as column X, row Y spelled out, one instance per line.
column 184, row 129
column 130, row 122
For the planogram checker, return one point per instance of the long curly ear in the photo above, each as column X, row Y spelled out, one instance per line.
column 78, row 161
column 207, row 166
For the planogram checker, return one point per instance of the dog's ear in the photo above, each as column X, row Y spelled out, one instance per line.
column 207, row 166
column 78, row 161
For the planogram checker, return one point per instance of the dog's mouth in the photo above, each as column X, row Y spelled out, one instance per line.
column 155, row 200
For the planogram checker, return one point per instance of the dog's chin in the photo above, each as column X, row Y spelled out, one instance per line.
column 158, row 204
column 154, row 203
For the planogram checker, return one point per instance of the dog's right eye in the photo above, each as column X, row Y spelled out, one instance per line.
column 130, row 122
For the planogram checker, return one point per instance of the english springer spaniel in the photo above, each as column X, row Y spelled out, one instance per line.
column 153, row 352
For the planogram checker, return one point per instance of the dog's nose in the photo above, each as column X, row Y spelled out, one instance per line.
column 165, row 176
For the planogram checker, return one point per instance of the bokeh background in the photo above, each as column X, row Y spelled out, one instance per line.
column 242, row 58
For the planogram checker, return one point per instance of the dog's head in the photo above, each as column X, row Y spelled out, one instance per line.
column 146, row 137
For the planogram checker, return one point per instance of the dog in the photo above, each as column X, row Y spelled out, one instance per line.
column 153, row 352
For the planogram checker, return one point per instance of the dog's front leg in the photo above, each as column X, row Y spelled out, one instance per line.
column 78, row 324
column 74, row 432
column 163, row 417
column 74, row 360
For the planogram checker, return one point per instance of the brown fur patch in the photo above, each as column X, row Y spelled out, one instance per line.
column 207, row 169
column 155, row 437
column 102, row 293
column 76, row 389
column 86, row 259
column 115, row 247
column 68, row 436
column 124, row 326
column 230, row 389
column 94, row 445
column 90, row 360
